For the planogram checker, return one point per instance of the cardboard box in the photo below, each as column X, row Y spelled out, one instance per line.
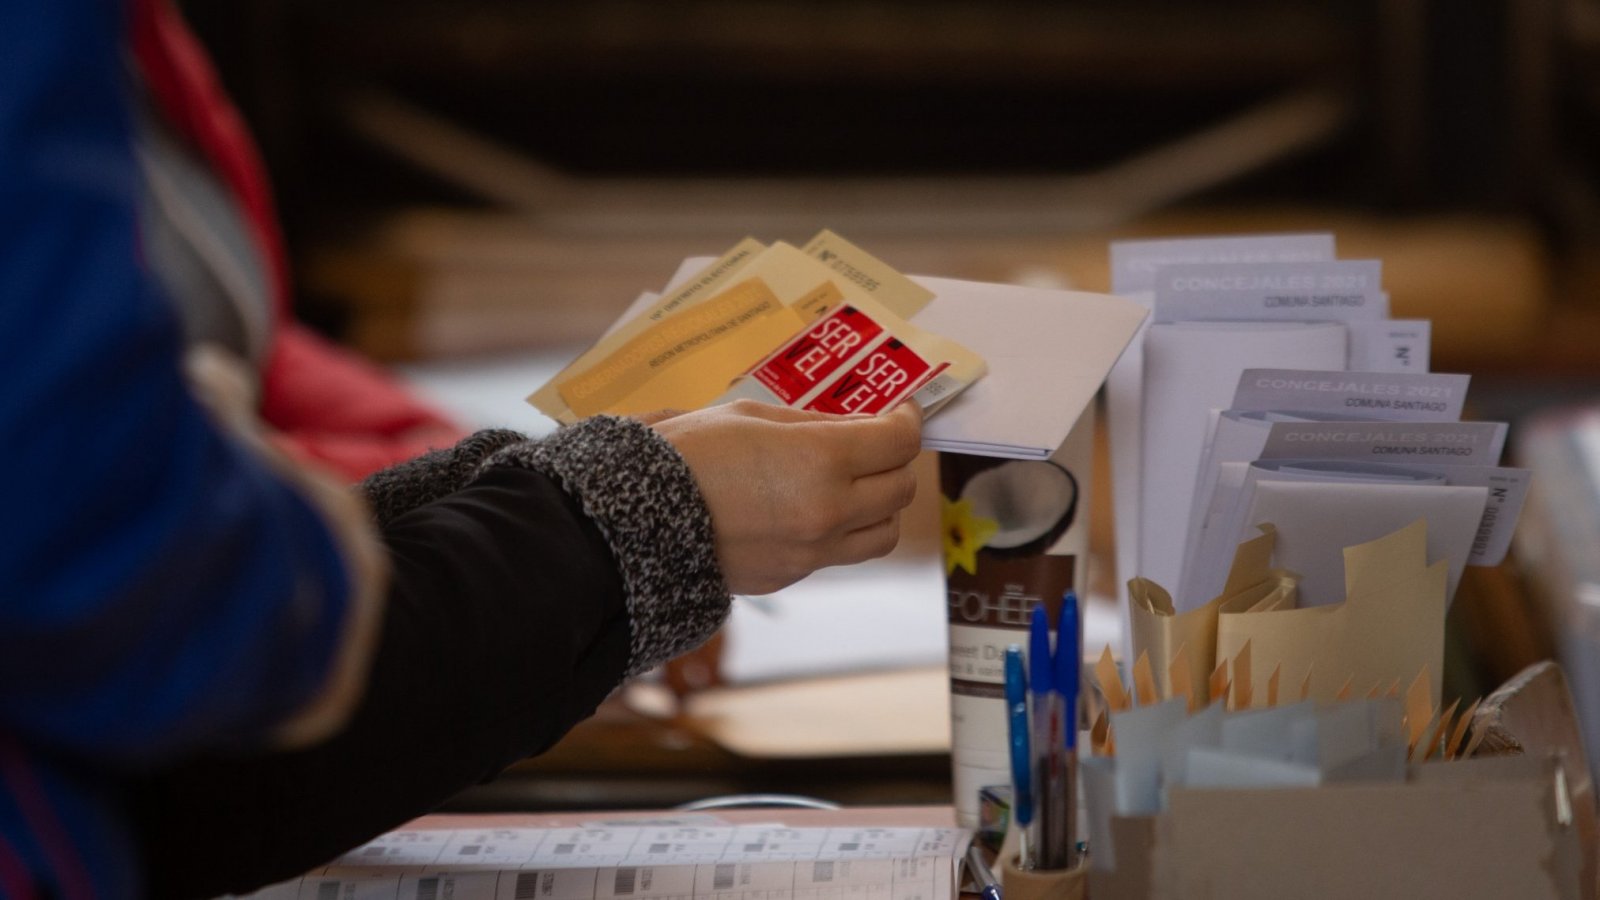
column 1485, row 828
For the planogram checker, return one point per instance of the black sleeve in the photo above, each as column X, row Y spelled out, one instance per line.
column 517, row 604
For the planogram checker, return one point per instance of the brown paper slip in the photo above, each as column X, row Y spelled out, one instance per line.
column 1392, row 629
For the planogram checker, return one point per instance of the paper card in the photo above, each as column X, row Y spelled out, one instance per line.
column 706, row 282
column 1158, row 630
column 687, row 359
column 1110, row 681
column 859, row 358
column 1240, row 435
column 1455, row 443
column 1333, row 290
column 1141, row 734
column 1507, row 493
column 1411, row 397
column 1181, row 676
column 1265, row 733
column 1243, row 679
column 899, row 294
column 1392, row 630
column 1201, row 729
column 1391, row 345
column 1344, row 734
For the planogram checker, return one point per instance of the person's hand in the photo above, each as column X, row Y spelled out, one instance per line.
column 791, row 491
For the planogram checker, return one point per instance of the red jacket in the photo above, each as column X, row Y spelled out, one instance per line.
column 325, row 405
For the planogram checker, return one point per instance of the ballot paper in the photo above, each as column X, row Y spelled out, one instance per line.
column 1227, row 518
column 1190, row 369
column 1036, row 343
column 647, row 862
column 1134, row 267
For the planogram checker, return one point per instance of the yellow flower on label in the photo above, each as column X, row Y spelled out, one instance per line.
column 964, row 534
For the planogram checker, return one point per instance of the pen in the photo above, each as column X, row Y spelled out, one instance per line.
column 1021, row 759
column 1043, row 738
column 987, row 885
column 1069, row 668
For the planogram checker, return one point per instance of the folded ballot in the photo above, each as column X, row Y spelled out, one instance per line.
column 1000, row 370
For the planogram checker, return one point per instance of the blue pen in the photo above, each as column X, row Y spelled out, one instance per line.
column 1042, row 698
column 1068, row 670
column 1021, row 759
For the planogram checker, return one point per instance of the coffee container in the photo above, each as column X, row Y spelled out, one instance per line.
column 1015, row 535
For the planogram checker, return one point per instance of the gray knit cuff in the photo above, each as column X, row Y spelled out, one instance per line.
column 636, row 488
column 398, row 489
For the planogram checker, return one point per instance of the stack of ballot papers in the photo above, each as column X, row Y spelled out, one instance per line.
column 1272, row 387
column 999, row 370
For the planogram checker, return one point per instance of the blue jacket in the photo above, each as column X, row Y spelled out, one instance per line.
column 161, row 592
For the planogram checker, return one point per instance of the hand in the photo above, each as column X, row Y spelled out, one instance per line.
column 791, row 491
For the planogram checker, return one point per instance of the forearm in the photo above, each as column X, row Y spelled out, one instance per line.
column 519, row 602
column 487, row 654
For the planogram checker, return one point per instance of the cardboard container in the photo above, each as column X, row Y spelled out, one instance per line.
column 1483, row 829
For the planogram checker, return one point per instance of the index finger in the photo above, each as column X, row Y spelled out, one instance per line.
column 883, row 442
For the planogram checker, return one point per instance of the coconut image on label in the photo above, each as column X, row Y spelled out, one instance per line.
column 1032, row 502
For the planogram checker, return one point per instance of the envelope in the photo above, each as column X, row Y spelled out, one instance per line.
column 1134, row 265
column 1190, row 369
column 1048, row 353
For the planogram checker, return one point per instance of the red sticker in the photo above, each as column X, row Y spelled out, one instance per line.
column 883, row 376
column 816, row 353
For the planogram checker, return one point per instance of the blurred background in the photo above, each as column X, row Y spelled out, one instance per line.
column 473, row 189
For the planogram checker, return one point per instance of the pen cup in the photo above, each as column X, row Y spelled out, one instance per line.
column 1044, row 884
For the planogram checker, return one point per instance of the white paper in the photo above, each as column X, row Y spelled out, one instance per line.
column 1211, row 768
column 1048, row 353
column 1317, row 521
column 888, row 613
column 1190, row 369
column 1141, row 734
column 1330, row 290
column 748, row 862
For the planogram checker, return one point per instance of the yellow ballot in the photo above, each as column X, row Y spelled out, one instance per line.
column 618, row 364
column 702, row 285
column 688, row 359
